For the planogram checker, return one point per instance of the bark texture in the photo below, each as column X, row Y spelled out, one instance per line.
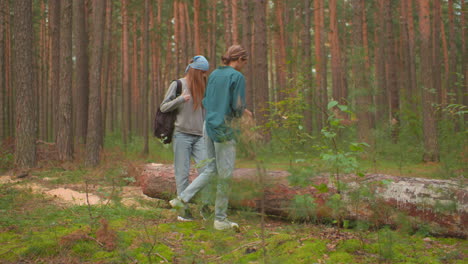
column 81, row 68
column 64, row 120
column 377, row 198
column 26, row 118
column 94, row 135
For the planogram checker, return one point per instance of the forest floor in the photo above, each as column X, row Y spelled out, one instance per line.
column 67, row 214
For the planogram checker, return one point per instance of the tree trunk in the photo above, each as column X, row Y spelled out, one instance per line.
column 10, row 99
column 404, row 71
column 26, row 114
column 105, row 80
column 235, row 21
column 261, row 66
column 375, row 198
column 462, row 98
column 320, row 64
column 188, row 36
column 393, row 93
column 213, row 34
column 81, row 71
column 196, row 25
column 307, row 69
column 339, row 84
column 280, row 51
column 64, row 124
column 125, row 77
column 227, row 23
column 2, row 71
column 54, row 10
column 43, row 74
column 146, row 83
column 431, row 150
column 363, row 94
column 247, row 44
column 452, row 61
column 380, row 72
column 436, row 58
column 412, row 55
column 135, row 87
column 94, row 135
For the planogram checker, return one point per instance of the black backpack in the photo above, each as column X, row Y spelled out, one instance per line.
column 163, row 125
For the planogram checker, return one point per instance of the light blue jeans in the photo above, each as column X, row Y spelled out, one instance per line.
column 221, row 159
column 186, row 146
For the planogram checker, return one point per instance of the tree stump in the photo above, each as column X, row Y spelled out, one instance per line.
column 440, row 206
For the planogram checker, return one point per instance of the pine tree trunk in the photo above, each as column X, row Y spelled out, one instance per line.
column 43, row 70
column 196, row 25
column 247, row 45
column 81, row 71
column 54, row 10
column 462, row 98
column 135, row 94
column 94, row 135
column 235, row 21
column 339, row 85
column 213, row 35
column 146, row 83
column 452, row 60
column 10, row 99
column 307, row 69
column 125, row 76
column 380, row 72
column 260, row 65
column 105, row 80
column 393, row 93
column 436, row 58
column 64, row 121
column 26, row 114
column 189, row 36
column 280, row 51
column 227, row 23
column 363, row 97
column 431, row 151
column 404, row 71
column 2, row 72
column 321, row 62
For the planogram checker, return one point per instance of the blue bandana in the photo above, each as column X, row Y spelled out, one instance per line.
column 199, row 63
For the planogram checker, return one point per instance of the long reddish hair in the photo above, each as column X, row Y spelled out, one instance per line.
column 196, row 81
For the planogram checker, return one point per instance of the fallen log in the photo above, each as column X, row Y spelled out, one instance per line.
column 440, row 206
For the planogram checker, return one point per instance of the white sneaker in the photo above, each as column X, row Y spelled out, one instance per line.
column 177, row 203
column 186, row 216
column 226, row 224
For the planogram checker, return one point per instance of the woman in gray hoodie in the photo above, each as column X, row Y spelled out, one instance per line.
column 188, row 139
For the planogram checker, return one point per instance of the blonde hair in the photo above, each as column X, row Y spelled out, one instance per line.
column 196, row 81
column 234, row 53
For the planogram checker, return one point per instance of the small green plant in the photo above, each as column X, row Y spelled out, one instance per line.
column 339, row 154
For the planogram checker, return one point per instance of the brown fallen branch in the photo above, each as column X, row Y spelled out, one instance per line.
column 441, row 205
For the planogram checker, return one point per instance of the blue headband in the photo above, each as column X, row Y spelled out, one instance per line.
column 199, row 63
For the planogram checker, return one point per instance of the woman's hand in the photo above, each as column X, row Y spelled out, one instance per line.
column 248, row 113
column 186, row 96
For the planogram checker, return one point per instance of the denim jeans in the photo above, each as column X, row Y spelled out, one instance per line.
column 186, row 146
column 221, row 158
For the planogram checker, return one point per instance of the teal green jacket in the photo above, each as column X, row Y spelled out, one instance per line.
column 224, row 100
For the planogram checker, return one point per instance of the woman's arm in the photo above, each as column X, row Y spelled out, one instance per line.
column 171, row 102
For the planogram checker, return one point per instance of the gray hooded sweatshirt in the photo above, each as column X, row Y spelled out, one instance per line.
column 188, row 120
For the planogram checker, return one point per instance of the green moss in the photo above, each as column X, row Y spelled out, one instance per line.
column 85, row 249
column 311, row 251
column 340, row 257
column 41, row 248
column 350, row 245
